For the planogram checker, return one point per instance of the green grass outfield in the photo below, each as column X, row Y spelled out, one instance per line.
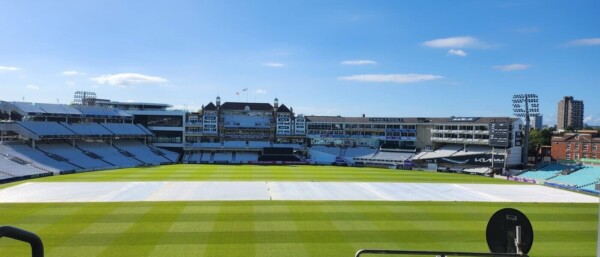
column 191, row 172
column 283, row 228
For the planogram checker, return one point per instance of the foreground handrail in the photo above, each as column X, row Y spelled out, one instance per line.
column 37, row 248
column 434, row 253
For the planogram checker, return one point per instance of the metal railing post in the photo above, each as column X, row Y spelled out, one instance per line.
column 37, row 248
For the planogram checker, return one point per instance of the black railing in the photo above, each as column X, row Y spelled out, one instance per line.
column 37, row 248
column 434, row 253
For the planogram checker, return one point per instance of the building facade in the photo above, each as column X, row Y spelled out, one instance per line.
column 574, row 146
column 570, row 113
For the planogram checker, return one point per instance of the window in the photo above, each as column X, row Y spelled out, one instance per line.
column 585, row 147
column 568, row 156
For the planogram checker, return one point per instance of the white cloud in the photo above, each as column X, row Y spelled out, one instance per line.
column 33, row 87
column 585, row 42
column 72, row 73
column 260, row 91
column 512, row 67
column 274, row 64
column 394, row 78
column 128, row 79
column 592, row 120
column 455, row 42
column 457, row 52
column 7, row 68
column 358, row 62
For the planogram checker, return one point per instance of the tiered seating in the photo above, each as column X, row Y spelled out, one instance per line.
column 108, row 153
column 87, row 129
column 140, row 151
column 330, row 150
column 321, row 157
column 295, row 146
column 477, row 170
column 42, row 128
column 579, row 178
column 444, row 151
column 36, row 157
column 223, row 157
column 60, row 109
column 391, row 156
column 246, row 157
column 258, row 144
column 206, row 156
column 9, row 168
column 74, row 155
column 234, row 144
column 473, row 149
column 172, row 156
column 193, row 157
column 99, row 111
column 545, row 172
column 29, row 107
column 240, row 121
column 125, row 129
column 207, row 145
column 364, row 152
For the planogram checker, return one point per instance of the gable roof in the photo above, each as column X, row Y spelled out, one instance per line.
column 283, row 108
column 210, row 107
column 242, row 106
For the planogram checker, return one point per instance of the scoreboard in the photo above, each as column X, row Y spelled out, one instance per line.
column 500, row 134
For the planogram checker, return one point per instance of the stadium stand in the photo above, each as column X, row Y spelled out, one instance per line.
column 87, row 129
column 444, row 151
column 73, row 155
column 258, row 144
column 321, row 157
column 579, row 178
column 391, row 156
column 245, row 157
column 336, row 151
column 101, row 111
column 207, row 157
column 108, row 153
column 171, row 156
column 225, row 157
column 139, row 151
column 359, row 152
column 294, row 146
column 37, row 157
column 10, row 168
column 60, row 109
column 234, row 144
column 41, row 128
column 125, row 129
column 473, row 150
column 545, row 172
column 481, row 170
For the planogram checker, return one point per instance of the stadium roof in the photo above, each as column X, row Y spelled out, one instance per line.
column 242, row 106
column 341, row 119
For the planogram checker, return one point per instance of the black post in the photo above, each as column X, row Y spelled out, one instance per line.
column 37, row 248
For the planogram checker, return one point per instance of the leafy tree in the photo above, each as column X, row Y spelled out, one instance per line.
column 539, row 138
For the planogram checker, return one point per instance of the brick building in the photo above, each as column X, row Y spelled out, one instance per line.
column 574, row 146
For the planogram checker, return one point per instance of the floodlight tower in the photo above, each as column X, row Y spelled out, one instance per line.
column 526, row 105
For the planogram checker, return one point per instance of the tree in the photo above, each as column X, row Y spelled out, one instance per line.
column 539, row 138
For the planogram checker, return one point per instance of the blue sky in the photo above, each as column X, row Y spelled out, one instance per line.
column 379, row 58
